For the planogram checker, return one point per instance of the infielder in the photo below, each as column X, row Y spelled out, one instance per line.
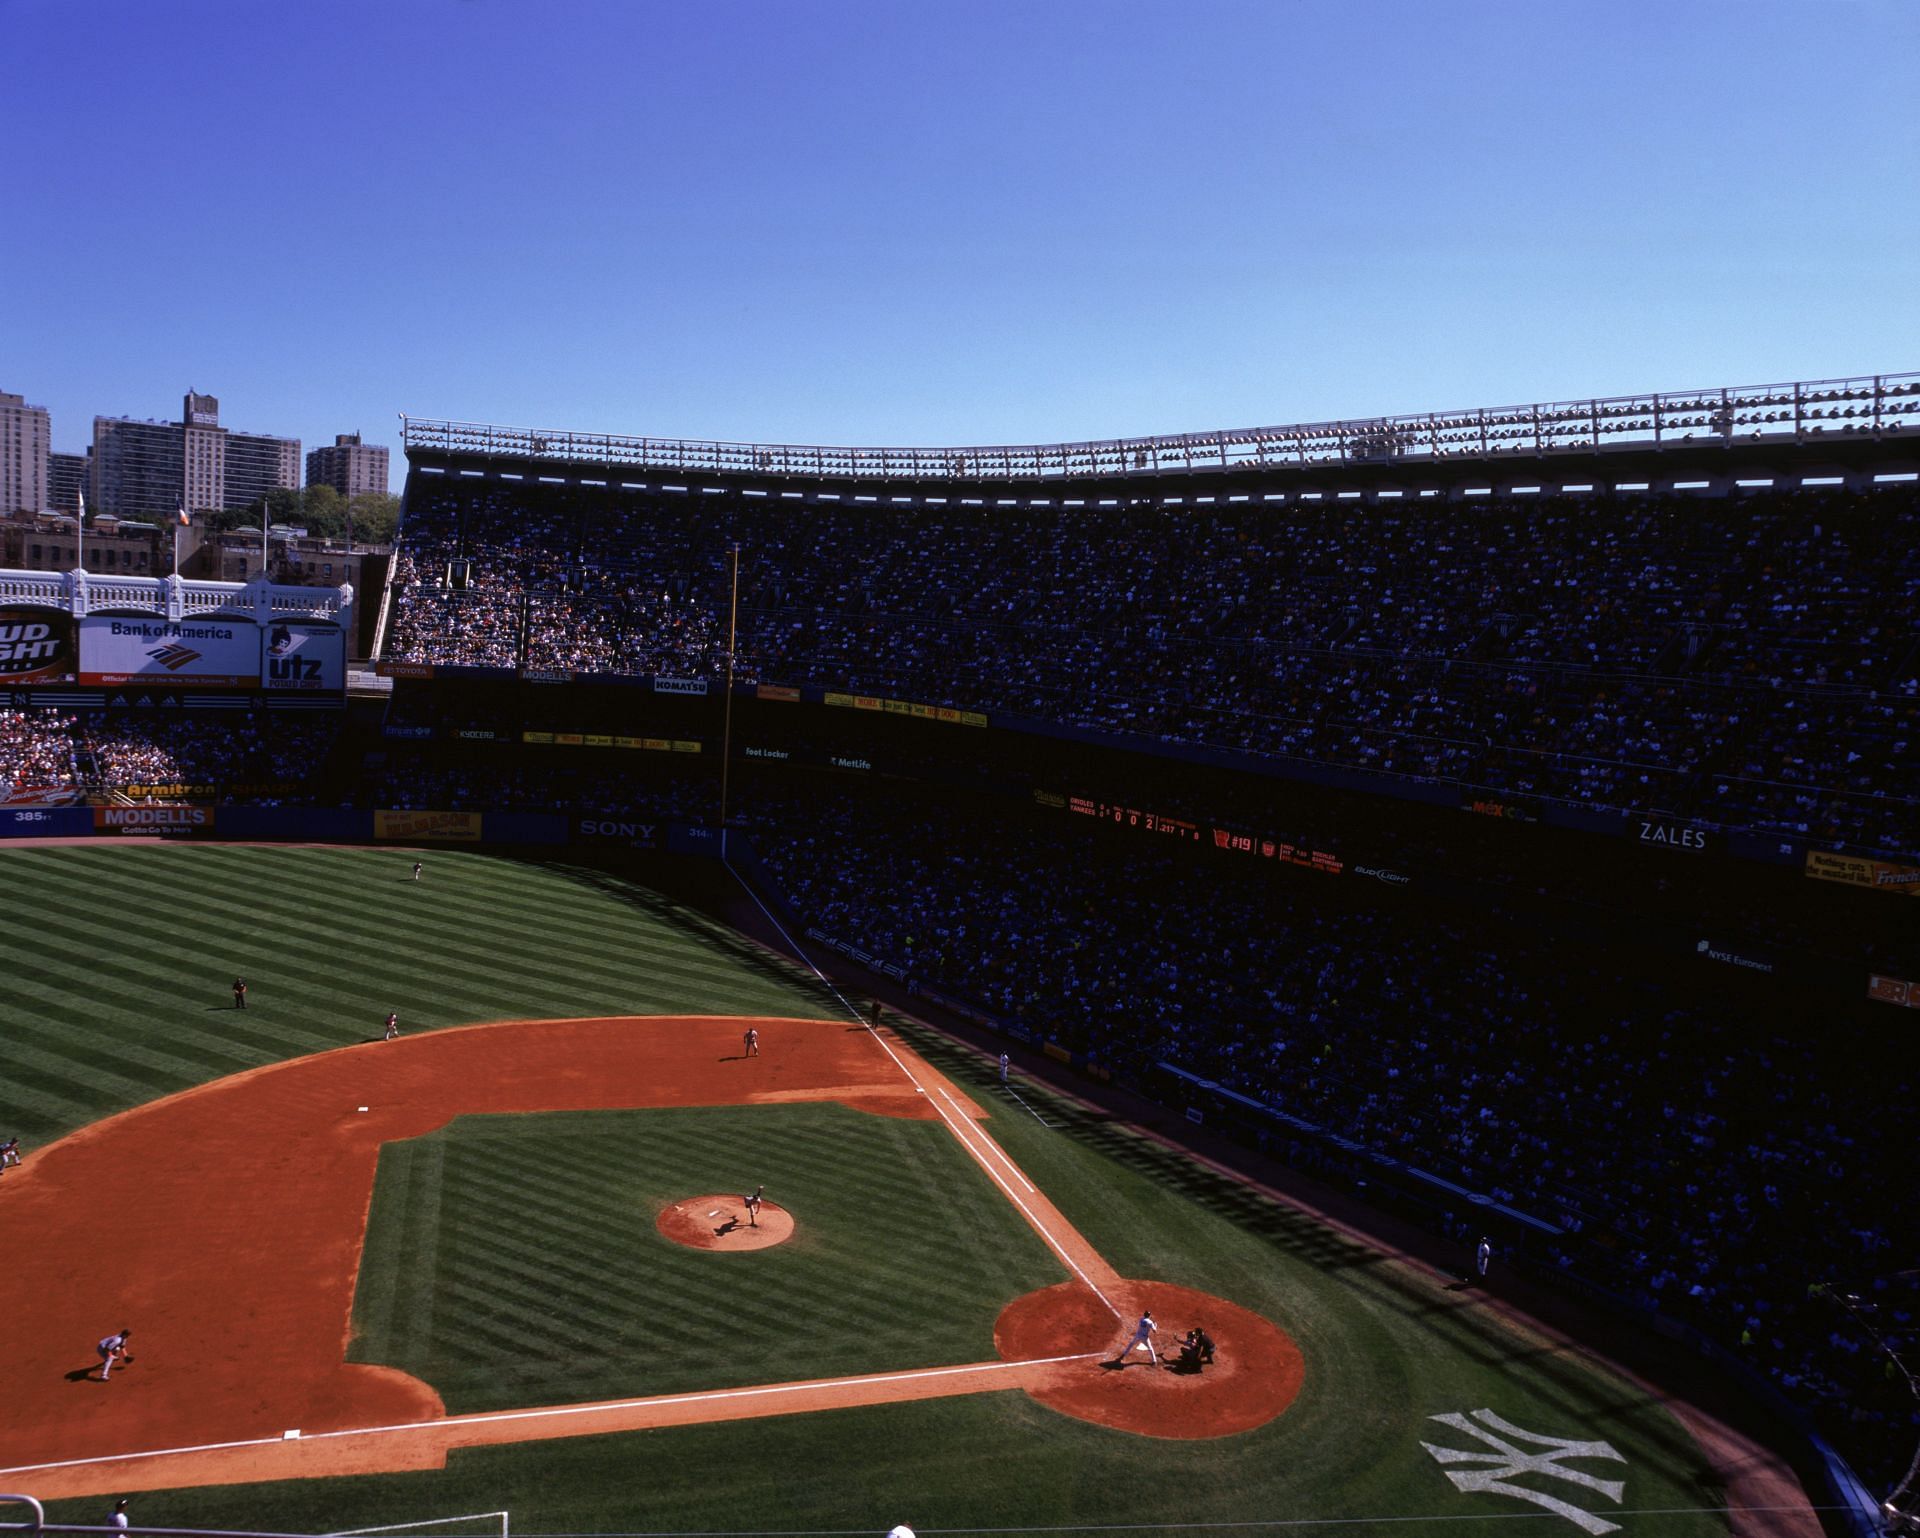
column 113, row 1348
column 1143, row 1336
column 393, row 1024
column 10, row 1151
column 750, row 1043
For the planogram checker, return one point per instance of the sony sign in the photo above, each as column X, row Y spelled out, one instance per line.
column 641, row 835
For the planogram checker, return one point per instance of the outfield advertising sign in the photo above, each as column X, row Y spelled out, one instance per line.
column 36, row 646
column 445, row 827
column 301, row 656
column 215, row 652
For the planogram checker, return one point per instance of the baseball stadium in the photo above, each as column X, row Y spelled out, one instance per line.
column 1335, row 977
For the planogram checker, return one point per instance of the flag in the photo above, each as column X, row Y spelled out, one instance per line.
column 185, row 521
column 83, row 506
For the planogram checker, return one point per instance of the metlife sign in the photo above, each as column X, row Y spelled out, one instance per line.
column 216, row 652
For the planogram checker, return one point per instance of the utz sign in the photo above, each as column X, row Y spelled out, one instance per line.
column 303, row 657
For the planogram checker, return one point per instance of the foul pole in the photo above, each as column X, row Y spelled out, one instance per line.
column 726, row 720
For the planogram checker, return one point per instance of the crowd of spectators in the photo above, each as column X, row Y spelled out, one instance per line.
column 263, row 760
column 36, row 755
column 1748, row 664
column 1704, row 1152
column 519, row 781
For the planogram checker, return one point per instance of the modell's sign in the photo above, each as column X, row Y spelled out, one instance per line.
column 151, row 819
column 36, row 646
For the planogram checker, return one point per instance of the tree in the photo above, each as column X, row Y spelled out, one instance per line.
column 376, row 517
column 323, row 512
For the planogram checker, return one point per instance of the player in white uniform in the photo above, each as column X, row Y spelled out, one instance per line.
column 753, row 1207
column 1482, row 1258
column 113, row 1348
column 1143, row 1336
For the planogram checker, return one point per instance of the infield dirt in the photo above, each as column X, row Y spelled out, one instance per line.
column 224, row 1226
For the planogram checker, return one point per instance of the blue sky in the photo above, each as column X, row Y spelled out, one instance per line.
column 910, row 222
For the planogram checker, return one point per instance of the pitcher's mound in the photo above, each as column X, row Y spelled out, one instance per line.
column 720, row 1223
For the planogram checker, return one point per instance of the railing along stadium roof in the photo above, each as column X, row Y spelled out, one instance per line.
column 1809, row 411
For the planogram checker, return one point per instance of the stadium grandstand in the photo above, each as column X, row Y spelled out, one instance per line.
column 1498, row 816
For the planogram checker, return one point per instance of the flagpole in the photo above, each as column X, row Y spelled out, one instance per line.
column 80, row 535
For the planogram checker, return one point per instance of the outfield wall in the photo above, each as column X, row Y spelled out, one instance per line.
column 332, row 825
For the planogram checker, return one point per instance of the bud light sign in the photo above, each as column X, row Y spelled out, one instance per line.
column 36, row 646
column 299, row 655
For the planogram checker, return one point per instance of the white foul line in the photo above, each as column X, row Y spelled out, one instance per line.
column 554, row 1412
column 1028, row 1109
column 1012, row 1195
column 991, row 1146
column 795, row 944
column 1038, row 1227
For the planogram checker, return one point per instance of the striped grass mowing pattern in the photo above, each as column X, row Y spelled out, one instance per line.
column 513, row 1260
column 118, row 961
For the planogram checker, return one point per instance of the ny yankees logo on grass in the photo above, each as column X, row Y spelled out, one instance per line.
column 1504, row 1459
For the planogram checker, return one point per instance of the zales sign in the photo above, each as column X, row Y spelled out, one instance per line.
column 1672, row 835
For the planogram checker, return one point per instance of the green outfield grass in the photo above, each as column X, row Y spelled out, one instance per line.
column 513, row 1260
column 118, row 962
column 1386, row 1345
